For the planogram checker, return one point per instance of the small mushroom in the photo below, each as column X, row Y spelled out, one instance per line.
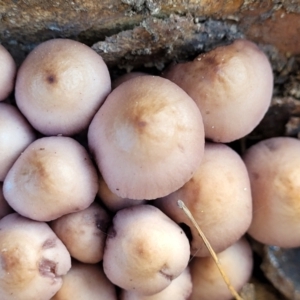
column 8, row 73
column 208, row 284
column 147, row 138
column 85, row 281
column 145, row 250
column 273, row 166
column 232, row 86
column 126, row 77
column 60, row 86
column 84, row 233
column 33, row 260
column 54, row 176
column 218, row 196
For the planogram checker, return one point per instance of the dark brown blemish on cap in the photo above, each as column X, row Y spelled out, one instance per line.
column 49, row 243
column 51, row 79
column 47, row 268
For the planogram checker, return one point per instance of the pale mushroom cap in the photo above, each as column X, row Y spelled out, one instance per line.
column 273, row 167
column 7, row 74
column 179, row 289
column 15, row 135
column 84, row 233
column 32, row 259
column 218, row 196
column 60, row 86
column 232, row 86
column 85, row 281
column 208, row 284
column 145, row 250
column 54, row 176
column 147, row 138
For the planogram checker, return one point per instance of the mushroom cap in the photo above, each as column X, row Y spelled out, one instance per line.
column 232, row 86
column 147, row 138
column 273, row 166
column 145, row 250
column 33, row 259
column 7, row 74
column 218, row 196
column 15, row 135
column 208, row 284
column 86, row 281
column 53, row 176
column 84, row 233
column 60, row 86
column 179, row 289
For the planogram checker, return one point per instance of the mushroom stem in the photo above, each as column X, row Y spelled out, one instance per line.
column 210, row 249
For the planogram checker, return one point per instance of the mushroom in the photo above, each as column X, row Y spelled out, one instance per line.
column 147, row 138
column 273, row 166
column 60, row 86
column 208, row 284
column 15, row 135
column 145, row 250
column 54, row 176
column 179, row 289
column 232, row 86
column 84, row 233
column 33, row 260
column 85, row 281
column 218, row 196
column 8, row 73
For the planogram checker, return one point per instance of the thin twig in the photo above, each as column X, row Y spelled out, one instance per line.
column 210, row 249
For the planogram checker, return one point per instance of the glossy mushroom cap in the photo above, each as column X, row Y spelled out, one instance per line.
column 147, row 138
column 8, row 72
column 232, row 86
column 60, row 86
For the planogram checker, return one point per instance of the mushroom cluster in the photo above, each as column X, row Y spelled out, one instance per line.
column 85, row 219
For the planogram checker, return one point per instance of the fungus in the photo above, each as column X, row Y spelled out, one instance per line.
column 54, row 176
column 232, row 86
column 85, row 281
column 147, row 138
column 84, row 233
column 273, row 167
column 145, row 250
column 60, row 86
column 33, row 260
column 208, row 284
column 218, row 196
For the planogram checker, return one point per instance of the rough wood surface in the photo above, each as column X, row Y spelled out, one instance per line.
column 25, row 23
